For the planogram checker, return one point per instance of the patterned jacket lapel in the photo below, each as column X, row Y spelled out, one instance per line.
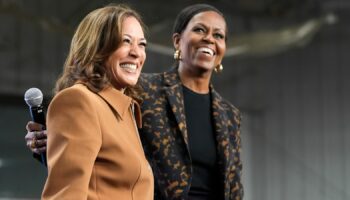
column 222, row 136
column 173, row 91
column 226, row 129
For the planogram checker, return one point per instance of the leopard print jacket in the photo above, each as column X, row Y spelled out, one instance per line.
column 165, row 140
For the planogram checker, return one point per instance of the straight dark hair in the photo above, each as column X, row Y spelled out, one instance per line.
column 187, row 14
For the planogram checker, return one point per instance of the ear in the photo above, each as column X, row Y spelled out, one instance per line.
column 176, row 40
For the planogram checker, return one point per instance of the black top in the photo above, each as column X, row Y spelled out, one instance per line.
column 202, row 146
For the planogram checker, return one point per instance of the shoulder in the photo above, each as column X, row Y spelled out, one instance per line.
column 151, row 82
column 230, row 106
column 157, row 80
column 74, row 95
column 226, row 105
column 77, row 89
column 147, row 78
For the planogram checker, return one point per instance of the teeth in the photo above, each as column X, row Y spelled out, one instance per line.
column 129, row 67
column 206, row 50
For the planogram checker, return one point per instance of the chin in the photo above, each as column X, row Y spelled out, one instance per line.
column 205, row 68
column 131, row 80
column 131, row 83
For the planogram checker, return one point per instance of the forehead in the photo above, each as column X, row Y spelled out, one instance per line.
column 131, row 25
column 208, row 18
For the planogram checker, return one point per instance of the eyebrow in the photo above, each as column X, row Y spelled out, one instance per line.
column 215, row 28
column 125, row 34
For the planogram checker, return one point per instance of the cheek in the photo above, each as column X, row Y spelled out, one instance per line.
column 112, row 59
column 222, row 50
column 144, row 56
column 185, row 47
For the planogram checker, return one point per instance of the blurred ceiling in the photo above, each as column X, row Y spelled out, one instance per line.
column 35, row 33
column 259, row 27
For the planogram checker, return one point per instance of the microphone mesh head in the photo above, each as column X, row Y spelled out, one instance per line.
column 33, row 97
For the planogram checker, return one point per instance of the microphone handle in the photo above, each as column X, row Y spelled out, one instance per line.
column 38, row 116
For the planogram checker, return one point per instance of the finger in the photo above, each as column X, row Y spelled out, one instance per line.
column 29, row 144
column 40, row 135
column 33, row 143
column 33, row 126
column 40, row 143
column 29, row 136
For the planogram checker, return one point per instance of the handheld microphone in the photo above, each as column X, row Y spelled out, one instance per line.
column 34, row 98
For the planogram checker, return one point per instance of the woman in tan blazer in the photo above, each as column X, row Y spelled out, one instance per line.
column 94, row 150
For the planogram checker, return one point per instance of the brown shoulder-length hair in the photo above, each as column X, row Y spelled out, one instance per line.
column 96, row 38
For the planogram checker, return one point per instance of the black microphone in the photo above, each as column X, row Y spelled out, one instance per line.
column 34, row 98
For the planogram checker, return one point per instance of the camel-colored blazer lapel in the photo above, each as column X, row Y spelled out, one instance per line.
column 121, row 103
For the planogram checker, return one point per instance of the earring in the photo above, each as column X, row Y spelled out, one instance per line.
column 177, row 55
column 218, row 68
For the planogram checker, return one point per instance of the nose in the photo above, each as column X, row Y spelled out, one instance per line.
column 135, row 50
column 209, row 38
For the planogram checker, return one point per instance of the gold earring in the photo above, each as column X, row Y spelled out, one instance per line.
column 218, row 68
column 177, row 55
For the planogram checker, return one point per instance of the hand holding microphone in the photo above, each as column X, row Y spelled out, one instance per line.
column 36, row 136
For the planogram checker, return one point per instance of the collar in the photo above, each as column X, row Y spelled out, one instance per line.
column 121, row 103
column 172, row 78
column 116, row 99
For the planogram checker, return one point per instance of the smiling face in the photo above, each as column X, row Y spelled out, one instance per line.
column 125, row 63
column 203, row 42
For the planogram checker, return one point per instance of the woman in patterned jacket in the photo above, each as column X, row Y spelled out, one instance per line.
column 190, row 134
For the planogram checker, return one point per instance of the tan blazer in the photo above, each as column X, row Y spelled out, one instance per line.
column 94, row 150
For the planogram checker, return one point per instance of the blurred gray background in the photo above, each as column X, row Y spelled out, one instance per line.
column 286, row 68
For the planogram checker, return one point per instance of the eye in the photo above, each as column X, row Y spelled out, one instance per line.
column 199, row 30
column 144, row 44
column 127, row 40
column 219, row 36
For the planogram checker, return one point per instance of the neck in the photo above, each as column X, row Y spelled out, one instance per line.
column 194, row 80
column 117, row 86
column 122, row 90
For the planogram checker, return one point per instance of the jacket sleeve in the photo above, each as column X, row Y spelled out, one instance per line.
column 74, row 139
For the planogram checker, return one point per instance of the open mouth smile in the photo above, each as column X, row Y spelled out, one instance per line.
column 129, row 67
column 206, row 51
